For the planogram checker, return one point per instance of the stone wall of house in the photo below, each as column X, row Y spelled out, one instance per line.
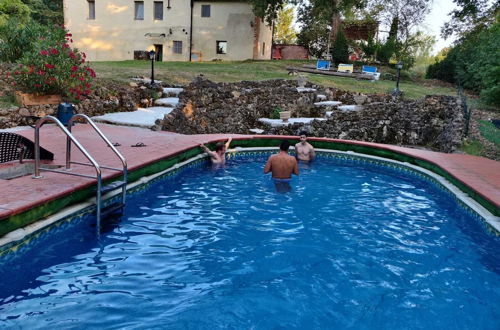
column 106, row 97
column 206, row 107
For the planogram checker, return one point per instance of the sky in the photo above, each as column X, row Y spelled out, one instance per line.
column 435, row 20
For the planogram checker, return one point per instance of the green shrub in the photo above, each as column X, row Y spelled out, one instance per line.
column 386, row 51
column 53, row 67
column 16, row 39
column 474, row 63
column 276, row 113
column 340, row 49
column 370, row 47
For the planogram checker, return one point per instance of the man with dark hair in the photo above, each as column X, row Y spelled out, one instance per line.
column 282, row 165
column 219, row 156
column 303, row 149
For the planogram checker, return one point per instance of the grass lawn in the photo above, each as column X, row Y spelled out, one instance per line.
column 182, row 73
column 490, row 132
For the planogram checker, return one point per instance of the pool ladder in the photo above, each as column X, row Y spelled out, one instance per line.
column 101, row 190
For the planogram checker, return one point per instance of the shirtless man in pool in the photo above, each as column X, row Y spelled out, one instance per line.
column 282, row 165
column 304, row 150
column 219, row 155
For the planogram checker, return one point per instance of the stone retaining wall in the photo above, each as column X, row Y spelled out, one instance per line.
column 206, row 107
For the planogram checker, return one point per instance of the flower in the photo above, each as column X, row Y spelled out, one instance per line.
column 64, row 71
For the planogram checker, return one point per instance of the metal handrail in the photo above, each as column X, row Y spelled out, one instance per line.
column 70, row 137
column 117, row 153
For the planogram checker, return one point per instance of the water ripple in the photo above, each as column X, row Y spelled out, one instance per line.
column 350, row 246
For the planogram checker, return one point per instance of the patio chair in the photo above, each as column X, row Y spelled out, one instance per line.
column 345, row 68
column 366, row 69
column 323, row 65
column 16, row 147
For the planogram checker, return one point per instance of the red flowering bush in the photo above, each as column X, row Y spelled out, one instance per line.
column 54, row 67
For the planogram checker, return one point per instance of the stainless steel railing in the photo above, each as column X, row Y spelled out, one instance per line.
column 98, row 176
column 71, row 139
column 124, row 170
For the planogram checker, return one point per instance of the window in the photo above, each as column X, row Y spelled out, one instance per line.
column 177, row 47
column 221, row 47
column 139, row 10
column 263, row 48
column 91, row 9
column 158, row 10
column 205, row 10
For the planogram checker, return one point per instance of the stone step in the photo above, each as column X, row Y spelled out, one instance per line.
column 349, row 108
column 327, row 103
column 172, row 91
column 146, row 80
column 279, row 122
column 306, row 89
column 167, row 101
column 142, row 117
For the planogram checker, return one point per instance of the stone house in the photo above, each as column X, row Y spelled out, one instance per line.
column 178, row 30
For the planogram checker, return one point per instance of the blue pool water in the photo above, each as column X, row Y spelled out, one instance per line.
column 350, row 246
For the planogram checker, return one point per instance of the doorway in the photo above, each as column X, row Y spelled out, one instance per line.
column 159, row 53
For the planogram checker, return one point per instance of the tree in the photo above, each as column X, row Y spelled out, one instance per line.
column 315, row 30
column 14, row 9
column 473, row 63
column 268, row 9
column 469, row 15
column 340, row 49
column 46, row 12
column 284, row 32
column 336, row 8
column 404, row 18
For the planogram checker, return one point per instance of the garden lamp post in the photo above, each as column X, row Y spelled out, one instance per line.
column 399, row 66
column 152, row 58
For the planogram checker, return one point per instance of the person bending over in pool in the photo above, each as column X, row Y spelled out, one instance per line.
column 303, row 149
column 282, row 165
column 219, row 155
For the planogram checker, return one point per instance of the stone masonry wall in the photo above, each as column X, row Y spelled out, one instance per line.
column 206, row 107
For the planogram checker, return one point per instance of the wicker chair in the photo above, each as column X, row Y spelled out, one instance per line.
column 16, row 147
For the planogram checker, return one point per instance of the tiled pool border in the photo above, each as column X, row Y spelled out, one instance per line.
column 21, row 236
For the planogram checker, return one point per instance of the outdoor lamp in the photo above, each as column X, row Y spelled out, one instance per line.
column 152, row 58
column 399, row 66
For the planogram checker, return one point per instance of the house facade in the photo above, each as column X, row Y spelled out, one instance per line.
column 178, row 30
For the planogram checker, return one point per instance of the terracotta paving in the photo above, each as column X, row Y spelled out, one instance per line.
column 20, row 194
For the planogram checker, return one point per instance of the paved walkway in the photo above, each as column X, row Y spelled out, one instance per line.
column 21, row 194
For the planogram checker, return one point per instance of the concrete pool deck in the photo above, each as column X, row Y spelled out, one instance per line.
column 480, row 175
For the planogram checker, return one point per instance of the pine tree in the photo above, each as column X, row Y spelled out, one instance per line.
column 284, row 32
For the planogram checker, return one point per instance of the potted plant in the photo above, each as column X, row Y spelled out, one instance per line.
column 51, row 70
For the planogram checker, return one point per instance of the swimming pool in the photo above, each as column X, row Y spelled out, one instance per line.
column 353, row 244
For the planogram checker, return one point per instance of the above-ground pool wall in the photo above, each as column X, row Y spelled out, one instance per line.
column 39, row 212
